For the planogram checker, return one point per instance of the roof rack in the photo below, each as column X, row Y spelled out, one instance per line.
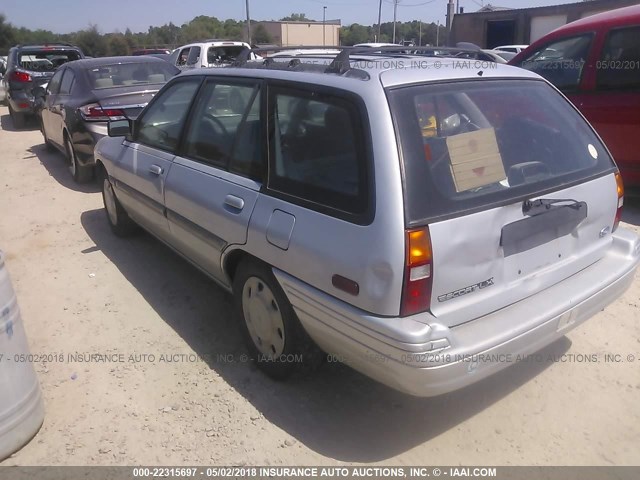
column 341, row 63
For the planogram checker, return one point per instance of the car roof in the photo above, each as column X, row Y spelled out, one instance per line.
column 43, row 46
column 619, row 16
column 389, row 70
column 97, row 62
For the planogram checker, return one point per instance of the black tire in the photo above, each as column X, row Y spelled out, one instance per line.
column 286, row 347
column 80, row 173
column 120, row 223
column 19, row 119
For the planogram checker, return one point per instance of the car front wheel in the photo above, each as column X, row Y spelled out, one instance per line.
column 119, row 221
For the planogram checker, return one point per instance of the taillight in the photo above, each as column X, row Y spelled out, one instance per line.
column 418, row 272
column 620, row 187
column 94, row 112
column 21, row 77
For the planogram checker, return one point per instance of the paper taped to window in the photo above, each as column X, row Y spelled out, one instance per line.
column 475, row 159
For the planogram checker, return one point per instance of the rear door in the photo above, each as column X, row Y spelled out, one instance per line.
column 139, row 174
column 58, row 104
column 516, row 190
column 47, row 111
column 213, row 184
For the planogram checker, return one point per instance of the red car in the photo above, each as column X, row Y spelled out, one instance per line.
column 595, row 62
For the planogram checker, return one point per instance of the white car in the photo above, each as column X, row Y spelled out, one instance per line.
column 210, row 53
column 511, row 48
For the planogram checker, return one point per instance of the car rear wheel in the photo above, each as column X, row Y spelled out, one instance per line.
column 120, row 223
column 276, row 340
column 18, row 118
column 80, row 173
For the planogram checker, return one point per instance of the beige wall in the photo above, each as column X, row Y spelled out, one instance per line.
column 302, row 34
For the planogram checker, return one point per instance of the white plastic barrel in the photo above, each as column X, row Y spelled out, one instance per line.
column 21, row 407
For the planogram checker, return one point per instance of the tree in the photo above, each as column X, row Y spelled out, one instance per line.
column 296, row 17
column 91, row 42
column 260, row 35
column 117, row 45
column 7, row 35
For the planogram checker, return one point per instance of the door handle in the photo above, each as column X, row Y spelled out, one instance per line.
column 234, row 202
column 156, row 170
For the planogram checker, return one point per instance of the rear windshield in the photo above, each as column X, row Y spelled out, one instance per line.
column 126, row 74
column 476, row 144
column 46, row 60
column 223, row 55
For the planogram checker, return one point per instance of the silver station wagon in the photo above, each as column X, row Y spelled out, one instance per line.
column 421, row 219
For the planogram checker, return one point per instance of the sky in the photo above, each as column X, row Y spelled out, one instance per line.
column 63, row 16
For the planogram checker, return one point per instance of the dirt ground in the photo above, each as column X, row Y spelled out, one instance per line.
column 183, row 393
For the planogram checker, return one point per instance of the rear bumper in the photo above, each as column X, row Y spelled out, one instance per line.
column 21, row 102
column 426, row 359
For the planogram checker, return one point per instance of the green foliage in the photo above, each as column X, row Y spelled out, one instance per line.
column 203, row 27
column 260, row 35
column 296, row 17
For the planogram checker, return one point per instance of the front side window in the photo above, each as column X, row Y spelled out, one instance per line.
column 561, row 62
column 194, row 55
column 473, row 144
column 161, row 124
column 619, row 64
column 225, row 129
column 183, row 57
column 318, row 152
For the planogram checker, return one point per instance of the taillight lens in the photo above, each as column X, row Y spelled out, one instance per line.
column 418, row 272
column 620, row 187
column 21, row 77
column 94, row 112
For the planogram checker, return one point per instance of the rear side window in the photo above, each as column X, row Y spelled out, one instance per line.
column 472, row 145
column 561, row 62
column 619, row 64
column 67, row 82
column 45, row 60
column 318, row 152
column 223, row 55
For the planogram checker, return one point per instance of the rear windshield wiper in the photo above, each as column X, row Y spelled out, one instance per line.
column 535, row 207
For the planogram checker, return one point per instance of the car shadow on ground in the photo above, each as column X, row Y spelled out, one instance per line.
column 334, row 411
column 631, row 210
column 56, row 164
column 7, row 124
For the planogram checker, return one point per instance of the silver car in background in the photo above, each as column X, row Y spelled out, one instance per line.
column 420, row 224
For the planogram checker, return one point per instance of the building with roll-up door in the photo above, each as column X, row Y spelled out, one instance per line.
column 494, row 26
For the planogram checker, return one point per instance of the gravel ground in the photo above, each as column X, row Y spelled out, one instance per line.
column 177, row 390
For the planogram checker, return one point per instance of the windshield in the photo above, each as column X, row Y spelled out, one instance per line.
column 126, row 74
column 46, row 60
column 473, row 144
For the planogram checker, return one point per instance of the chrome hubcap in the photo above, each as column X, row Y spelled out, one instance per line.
column 110, row 201
column 263, row 317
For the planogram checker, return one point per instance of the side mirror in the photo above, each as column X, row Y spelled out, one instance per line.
column 119, row 128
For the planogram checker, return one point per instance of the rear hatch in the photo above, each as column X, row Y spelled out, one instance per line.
column 512, row 186
column 35, row 67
